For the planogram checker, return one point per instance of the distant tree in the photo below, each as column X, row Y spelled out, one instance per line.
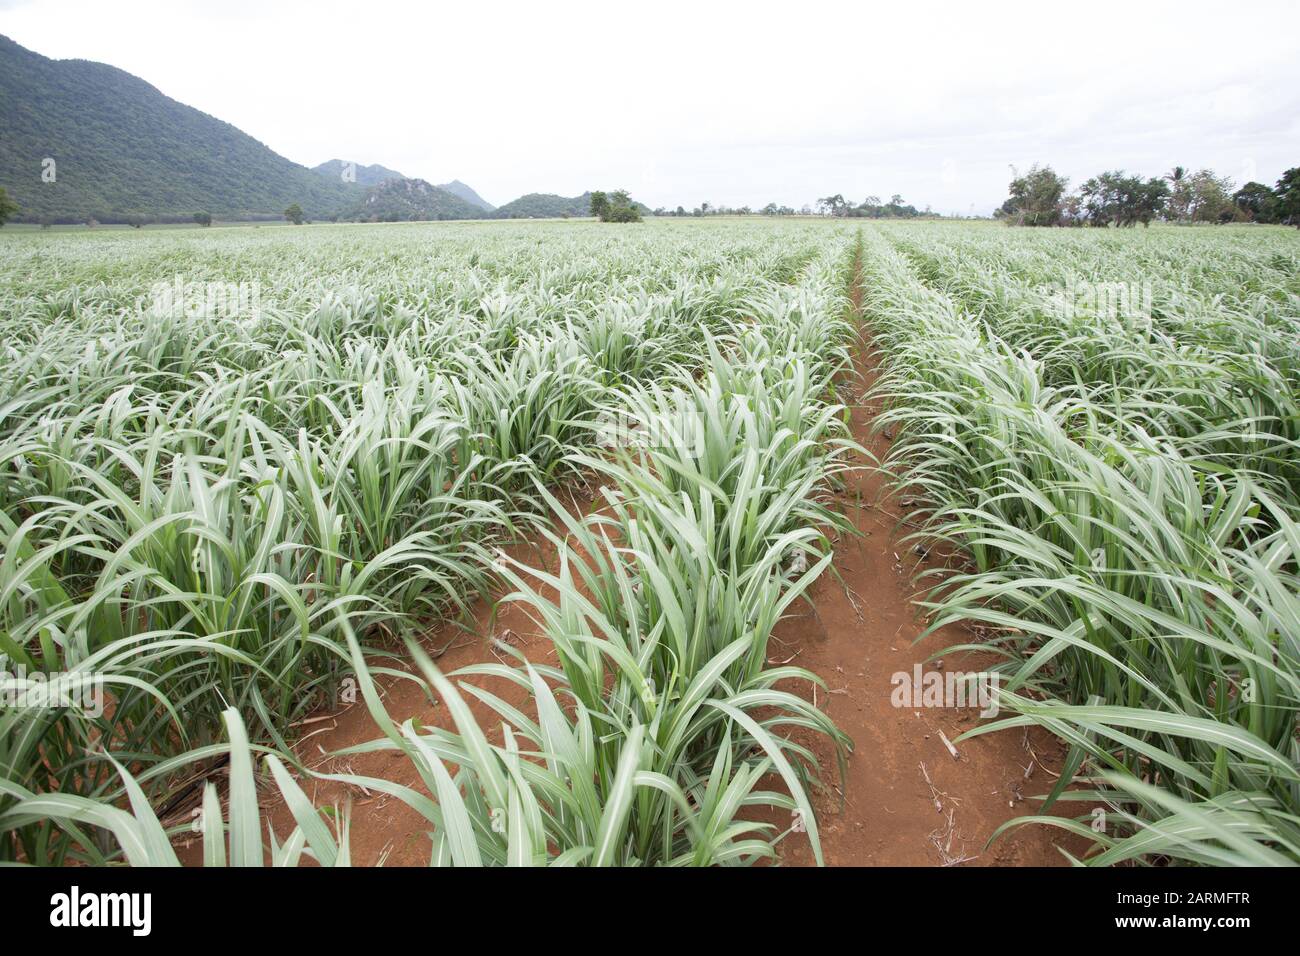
column 135, row 221
column 1180, row 194
column 1256, row 201
column 618, row 207
column 599, row 205
column 834, row 205
column 897, row 209
column 1287, row 192
column 873, row 208
column 1098, row 201
column 203, row 218
column 679, row 211
column 7, row 207
column 1113, row 198
column 1150, row 199
column 1210, row 197
column 1072, row 212
column 294, row 214
column 1035, row 198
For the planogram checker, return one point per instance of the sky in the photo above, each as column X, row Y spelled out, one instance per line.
column 730, row 103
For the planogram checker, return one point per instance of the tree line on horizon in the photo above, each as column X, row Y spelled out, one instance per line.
column 836, row 205
column 1041, row 197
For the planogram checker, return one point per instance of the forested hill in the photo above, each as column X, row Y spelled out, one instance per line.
column 121, row 149
column 410, row 200
column 465, row 192
column 362, row 175
column 546, row 206
column 82, row 140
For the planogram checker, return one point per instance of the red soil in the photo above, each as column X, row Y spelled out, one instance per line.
column 906, row 800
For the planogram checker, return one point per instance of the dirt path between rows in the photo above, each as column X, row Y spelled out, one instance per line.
column 906, row 800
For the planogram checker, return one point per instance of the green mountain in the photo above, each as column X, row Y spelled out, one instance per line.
column 457, row 188
column 364, row 175
column 410, row 200
column 121, row 148
column 83, row 140
column 551, row 206
column 376, row 174
column 546, row 206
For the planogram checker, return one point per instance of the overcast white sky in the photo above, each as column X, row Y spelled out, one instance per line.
column 733, row 103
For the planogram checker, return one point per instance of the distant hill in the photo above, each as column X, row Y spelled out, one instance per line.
column 457, row 188
column 122, row 148
column 375, row 174
column 551, row 206
column 365, row 175
column 545, row 206
column 410, row 200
